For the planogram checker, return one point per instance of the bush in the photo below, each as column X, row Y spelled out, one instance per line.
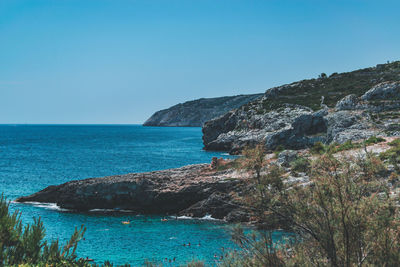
column 392, row 155
column 374, row 140
column 348, row 145
column 318, row 148
column 301, row 164
column 25, row 245
column 395, row 143
column 278, row 150
column 346, row 217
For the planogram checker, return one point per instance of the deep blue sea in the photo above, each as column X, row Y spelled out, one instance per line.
column 33, row 157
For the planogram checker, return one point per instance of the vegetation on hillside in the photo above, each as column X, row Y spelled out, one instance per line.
column 345, row 216
column 319, row 148
column 196, row 112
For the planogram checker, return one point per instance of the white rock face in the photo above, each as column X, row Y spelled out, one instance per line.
column 386, row 90
column 349, row 102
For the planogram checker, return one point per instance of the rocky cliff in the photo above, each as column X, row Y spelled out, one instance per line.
column 341, row 107
column 196, row 112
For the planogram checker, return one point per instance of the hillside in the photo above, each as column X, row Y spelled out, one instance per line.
column 196, row 112
column 344, row 106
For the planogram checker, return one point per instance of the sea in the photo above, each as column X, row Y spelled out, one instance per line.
column 33, row 157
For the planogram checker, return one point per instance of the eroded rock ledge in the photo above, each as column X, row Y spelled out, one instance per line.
column 194, row 190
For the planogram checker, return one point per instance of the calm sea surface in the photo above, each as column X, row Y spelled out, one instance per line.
column 33, row 157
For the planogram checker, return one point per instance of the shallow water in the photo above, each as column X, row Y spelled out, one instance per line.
column 33, row 157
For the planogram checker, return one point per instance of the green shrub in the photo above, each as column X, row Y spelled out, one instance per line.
column 318, row 148
column 348, row 145
column 301, row 164
column 25, row 245
column 395, row 143
column 374, row 140
column 278, row 150
column 392, row 155
column 332, row 148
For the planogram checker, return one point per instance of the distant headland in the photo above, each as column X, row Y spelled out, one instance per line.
column 196, row 112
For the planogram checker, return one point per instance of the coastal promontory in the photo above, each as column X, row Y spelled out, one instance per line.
column 196, row 112
column 195, row 190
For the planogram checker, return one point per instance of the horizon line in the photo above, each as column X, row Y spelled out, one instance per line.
column 71, row 123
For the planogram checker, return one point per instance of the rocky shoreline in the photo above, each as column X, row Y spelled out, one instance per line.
column 194, row 191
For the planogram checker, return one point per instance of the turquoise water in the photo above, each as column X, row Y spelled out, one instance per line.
column 33, row 157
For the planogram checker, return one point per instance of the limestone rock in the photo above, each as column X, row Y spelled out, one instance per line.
column 349, row 102
column 296, row 127
column 383, row 91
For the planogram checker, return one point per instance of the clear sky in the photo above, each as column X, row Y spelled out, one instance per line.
column 118, row 61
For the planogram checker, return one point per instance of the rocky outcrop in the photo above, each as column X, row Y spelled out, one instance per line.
column 196, row 112
column 350, row 102
column 291, row 126
column 383, row 91
column 283, row 117
column 194, row 190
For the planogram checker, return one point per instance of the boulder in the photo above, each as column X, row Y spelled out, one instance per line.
column 218, row 205
column 349, row 102
column 286, row 157
column 347, row 125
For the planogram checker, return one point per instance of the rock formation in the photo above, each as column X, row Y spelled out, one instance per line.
column 194, row 190
column 196, row 112
column 356, row 106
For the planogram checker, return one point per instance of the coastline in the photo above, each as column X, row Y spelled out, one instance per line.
column 197, row 191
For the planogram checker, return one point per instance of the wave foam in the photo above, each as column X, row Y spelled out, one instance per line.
column 209, row 217
column 206, row 217
column 101, row 210
column 47, row 206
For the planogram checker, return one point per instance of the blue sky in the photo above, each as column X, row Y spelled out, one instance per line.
column 118, row 61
